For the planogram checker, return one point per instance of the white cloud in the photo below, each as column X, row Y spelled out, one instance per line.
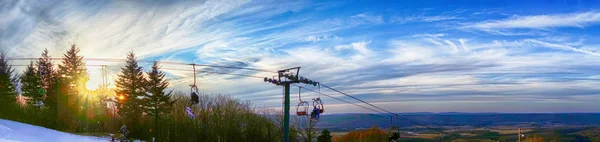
column 314, row 38
column 361, row 49
column 366, row 18
column 409, row 19
column 579, row 20
column 121, row 27
column 562, row 47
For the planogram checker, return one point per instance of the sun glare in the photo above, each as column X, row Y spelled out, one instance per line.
column 91, row 85
column 95, row 78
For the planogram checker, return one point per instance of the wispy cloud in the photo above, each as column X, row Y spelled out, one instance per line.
column 562, row 47
column 428, row 17
column 360, row 50
column 313, row 38
column 578, row 20
column 408, row 19
column 366, row 18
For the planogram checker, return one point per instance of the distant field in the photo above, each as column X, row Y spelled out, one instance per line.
column 510, row 131
column 433, row 136
column 467, row 134
column 426, row 136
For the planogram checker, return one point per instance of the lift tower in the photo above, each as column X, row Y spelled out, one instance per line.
column 284, row 78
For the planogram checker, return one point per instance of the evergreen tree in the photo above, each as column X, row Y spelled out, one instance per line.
column 157, row 101
column 31, row 85
column 73, row 71
column 7, row 80
column 325, row 136
column 49, row 81
column 73, row 76
column 130, row 89
column 45, row 70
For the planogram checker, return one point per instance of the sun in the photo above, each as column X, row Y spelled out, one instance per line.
column 95, row 78
column 92, row 85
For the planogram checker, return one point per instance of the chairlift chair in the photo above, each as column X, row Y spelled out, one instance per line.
column 394, row 130
column 302, row 108
column 317, row 109
column 194, row 94
column 318, row 104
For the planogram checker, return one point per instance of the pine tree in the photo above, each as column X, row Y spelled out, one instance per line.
column 45, row 70
column 73, row 76
column 130, row 85
column 31, row 85
column 7, row 80
column 325, row 136
column 73, row 71
column 157, row 101
column 49, row 81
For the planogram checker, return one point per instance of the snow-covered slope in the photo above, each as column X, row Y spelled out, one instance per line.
column 15, row 131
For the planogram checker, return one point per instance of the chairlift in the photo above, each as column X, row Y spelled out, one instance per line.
column 302, row 108
column 394, row 130
column 317, row 103
column 317, row 109
column 194, row 94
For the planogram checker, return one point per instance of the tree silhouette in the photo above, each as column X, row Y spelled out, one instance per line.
column 325, row 136
column 49, row 81
column 73, row 76
column 73, row 70
column 7, row 87
column 157, row 101
column 130, row 91
column 45, row 69
column 31, row 85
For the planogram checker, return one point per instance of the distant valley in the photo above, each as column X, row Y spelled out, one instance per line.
column 346, row 122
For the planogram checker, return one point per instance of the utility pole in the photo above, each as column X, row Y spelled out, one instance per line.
column 288, row 78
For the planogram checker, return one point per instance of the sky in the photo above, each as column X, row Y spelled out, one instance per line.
column 404, row 56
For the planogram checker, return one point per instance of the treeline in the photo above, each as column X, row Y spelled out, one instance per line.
column 373, row 134
column 55, row 96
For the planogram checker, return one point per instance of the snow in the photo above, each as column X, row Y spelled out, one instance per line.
column 11, row 131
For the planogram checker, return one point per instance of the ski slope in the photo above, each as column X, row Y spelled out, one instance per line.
column 11, row 131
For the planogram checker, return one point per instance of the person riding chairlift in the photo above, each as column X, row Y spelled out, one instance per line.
column 194, row 95
column 194, row 99
column 315, row 114
column 317, row 109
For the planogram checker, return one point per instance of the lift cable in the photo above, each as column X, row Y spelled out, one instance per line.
column 391, row 113
column 150, row 61
column 245, row 75
column 338, row 99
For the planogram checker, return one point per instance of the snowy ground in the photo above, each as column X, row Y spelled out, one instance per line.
column 11, row 131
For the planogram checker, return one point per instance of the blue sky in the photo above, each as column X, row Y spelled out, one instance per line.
column 405, row 56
